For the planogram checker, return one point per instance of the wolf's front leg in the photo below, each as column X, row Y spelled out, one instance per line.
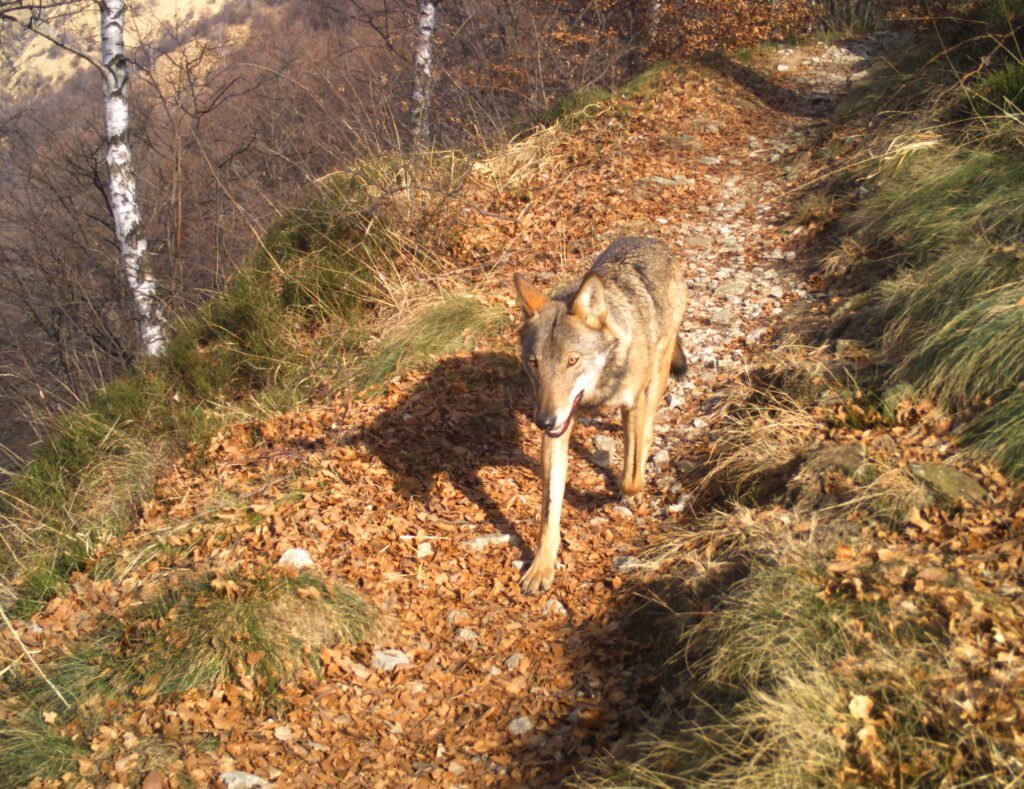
column 554, row 464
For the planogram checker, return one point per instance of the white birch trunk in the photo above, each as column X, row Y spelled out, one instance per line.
column 127, row 220
column 654, row 8
column 424, row 72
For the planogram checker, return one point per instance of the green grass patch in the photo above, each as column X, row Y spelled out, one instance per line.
column 952, row 317
column 233, row 629
column 451, row 324
column 201, row 632
column 32, row 749
column 769, row 681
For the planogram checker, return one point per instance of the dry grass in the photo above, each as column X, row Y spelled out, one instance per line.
column 765, row 423
column 512, row 165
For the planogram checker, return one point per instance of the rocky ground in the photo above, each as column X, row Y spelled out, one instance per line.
column 425, row 499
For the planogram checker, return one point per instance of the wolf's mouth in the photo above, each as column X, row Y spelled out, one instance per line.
column 558, row 430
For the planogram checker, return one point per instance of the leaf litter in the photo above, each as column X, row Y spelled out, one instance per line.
column 447, row 458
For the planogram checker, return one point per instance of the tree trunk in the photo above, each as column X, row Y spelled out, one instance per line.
column 125, row 209
column 654, row 8
column 424, row 72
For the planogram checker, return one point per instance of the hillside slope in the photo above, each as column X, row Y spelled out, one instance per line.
column 423, row 499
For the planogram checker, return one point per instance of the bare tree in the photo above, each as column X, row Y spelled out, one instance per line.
column 113, row 66
column 123, row 205
column 421, row 94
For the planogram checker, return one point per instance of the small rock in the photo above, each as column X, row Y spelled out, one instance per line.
column 625, row 564
column 754, row 337
column 423, row 550
column 673, row 182
column 622, row 512
column 847, row 348
column 675, row 400
column 236, row 779
column 776, row 292
column 485, row 541
column 685, row 466
column 554, row 607
column 520, row 726
column 701, row 242
column 601, row 459
column 283, row 733
column 296, row 558
column 512, row 661
column 710, row 160
column 731, row 288
column 456, row 769
column 782, row 67
column 722, row 317
column 604, row 443
column 464, row 634
column 389, row 660
column 661, row 458
column 684, row 503
column 456, row 616
column 947, row 483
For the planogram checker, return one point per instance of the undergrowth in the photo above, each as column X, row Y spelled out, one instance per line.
column 315, row 306
column 198, row 632
column 817, row 637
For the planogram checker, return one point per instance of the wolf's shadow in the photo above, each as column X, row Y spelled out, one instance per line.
column 465, row 415
column 460, row 418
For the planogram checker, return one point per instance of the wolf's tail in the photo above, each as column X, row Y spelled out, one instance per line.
column 679, row 364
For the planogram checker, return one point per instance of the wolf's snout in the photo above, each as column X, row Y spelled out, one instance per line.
column 545, row 422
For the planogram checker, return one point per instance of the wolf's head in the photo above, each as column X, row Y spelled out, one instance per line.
column 564, row 345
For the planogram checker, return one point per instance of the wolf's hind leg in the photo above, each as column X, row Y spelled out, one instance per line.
column 634, row 454
column 554, row 469
column 655, row 392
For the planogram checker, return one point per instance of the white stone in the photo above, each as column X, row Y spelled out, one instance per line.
column 236, row 779
column 485, row 541
column 464, row 634
column 389, row 660
column 296, row 558
column 520, row 726
column 555, row 607
column 512, row 661
column 423, row 550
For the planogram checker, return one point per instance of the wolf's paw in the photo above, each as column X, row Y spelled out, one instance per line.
column 538, row 578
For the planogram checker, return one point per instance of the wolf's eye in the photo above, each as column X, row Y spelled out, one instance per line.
column 533, row 361
column 572, row 360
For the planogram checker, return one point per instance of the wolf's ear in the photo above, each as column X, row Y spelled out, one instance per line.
column 531, row 299
column 588, row 304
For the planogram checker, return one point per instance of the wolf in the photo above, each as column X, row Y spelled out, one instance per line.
column 609, row 340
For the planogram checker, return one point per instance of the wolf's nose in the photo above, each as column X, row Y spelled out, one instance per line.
column 544, row 422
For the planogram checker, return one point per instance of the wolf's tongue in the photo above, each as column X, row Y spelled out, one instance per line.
column 560, row 429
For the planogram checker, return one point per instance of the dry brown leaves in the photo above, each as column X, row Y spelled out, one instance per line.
column 441, row 458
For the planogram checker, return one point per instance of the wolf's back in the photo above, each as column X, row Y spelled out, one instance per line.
column 644, row 284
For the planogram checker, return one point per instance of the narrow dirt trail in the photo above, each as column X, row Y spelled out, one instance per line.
column 426, row 498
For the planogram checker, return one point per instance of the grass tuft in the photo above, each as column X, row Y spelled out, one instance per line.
column 453, row 323
column 32, row 749
column 233, row 629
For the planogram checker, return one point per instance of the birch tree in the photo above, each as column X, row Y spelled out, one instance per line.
column 423, row 86
column 124, row 209
column 123, row 204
